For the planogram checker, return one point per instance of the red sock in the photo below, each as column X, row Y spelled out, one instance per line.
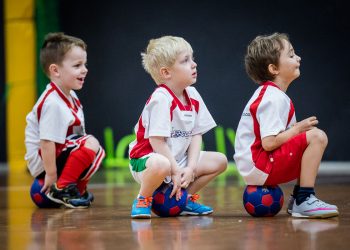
column 82, row 186
column 77, row 162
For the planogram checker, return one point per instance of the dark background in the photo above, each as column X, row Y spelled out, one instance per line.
column 117, row 87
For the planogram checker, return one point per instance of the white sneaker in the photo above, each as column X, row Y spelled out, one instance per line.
column 291, row 202
column 313, row 208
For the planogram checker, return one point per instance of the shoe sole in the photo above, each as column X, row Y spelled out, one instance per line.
column 141, row 216
column 194, row 213
column 63, row 203
column 316, row 216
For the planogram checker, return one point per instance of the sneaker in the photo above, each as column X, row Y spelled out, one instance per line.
column 291, row 202
column 141, row 208
column 69, row 196
column 194, row 208
column 88, row 196
column 313, row 208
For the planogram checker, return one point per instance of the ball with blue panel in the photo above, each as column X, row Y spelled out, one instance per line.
column 263, row 201
column 40, row 199
column 164, row 206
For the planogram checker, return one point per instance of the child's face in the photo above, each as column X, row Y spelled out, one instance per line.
column 184, row 71
column 72, row 71
column 289, row 63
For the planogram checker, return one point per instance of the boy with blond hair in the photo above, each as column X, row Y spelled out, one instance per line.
column 169, row 131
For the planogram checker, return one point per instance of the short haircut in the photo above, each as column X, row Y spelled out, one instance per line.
column 162, row 52
column 55, row 47
column 261, row 52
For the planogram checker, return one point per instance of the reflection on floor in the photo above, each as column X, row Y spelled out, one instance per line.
column 107, row 224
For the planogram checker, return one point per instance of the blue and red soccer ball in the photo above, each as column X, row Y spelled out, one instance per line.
column 263, row 201
column 164, row 206
column 40, row 199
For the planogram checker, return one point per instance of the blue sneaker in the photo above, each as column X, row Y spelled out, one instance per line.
column 194, row 208
column 141, row 208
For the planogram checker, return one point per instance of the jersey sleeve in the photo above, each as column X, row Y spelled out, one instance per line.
column 272, row 115
column 156, row 116
column 53, row 123
column 204, row 121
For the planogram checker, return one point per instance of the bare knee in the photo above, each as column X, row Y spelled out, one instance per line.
column 159, row 165
column 317, row 136
column 221, row 162
column 92, row 143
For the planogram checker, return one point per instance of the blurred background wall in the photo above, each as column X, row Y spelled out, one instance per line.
column 117, row 87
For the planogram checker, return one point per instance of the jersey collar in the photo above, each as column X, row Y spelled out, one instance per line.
column 269, row 83
column 188, row 107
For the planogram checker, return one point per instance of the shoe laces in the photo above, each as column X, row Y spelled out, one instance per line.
column 194, row 197
column 144, row 202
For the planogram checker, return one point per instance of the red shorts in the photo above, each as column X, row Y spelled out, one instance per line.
column 285, row 161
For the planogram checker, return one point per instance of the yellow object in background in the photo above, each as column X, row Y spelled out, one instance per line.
column 20, row 76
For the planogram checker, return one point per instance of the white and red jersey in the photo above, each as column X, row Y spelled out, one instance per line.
column 268, row 112
column 54, row 117
column 164, row 115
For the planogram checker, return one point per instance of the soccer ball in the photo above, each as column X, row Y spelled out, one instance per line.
column 40, row 199
column 164, row 206
column 263, row 201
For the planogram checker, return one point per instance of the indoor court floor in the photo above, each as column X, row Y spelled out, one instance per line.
column 107, row 224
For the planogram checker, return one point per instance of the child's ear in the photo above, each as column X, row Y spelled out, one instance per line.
column 273, row 69
column 164, row 73
column 53, row 70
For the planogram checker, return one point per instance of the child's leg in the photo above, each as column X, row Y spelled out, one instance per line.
column 157, row 168
column 151, row 174
column 78, row 161
column 306, row 204
column 210, row 165
column 317, row 141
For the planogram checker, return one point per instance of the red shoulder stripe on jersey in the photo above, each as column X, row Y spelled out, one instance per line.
column 256, row 148
column 142, row 146
column 172, row 107
column 291, row 112
column 178, row 102
column 41, row 104
column 195, row 103
column 64, row 98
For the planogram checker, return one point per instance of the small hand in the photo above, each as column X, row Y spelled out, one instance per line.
column 306, row 124
column 176, row 179
column 49, row 180
column 187, row 177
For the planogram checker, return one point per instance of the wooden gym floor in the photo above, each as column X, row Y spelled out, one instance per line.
column 107, row 224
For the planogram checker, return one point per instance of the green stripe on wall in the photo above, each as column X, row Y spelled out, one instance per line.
column 46, row 18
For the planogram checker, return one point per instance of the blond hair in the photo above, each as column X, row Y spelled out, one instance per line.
column 261, row 52
column 162, row 52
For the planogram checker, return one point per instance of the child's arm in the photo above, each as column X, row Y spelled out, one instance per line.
column 159, row 146
column 272, row 142
column 48, row 154
column 193, row 154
